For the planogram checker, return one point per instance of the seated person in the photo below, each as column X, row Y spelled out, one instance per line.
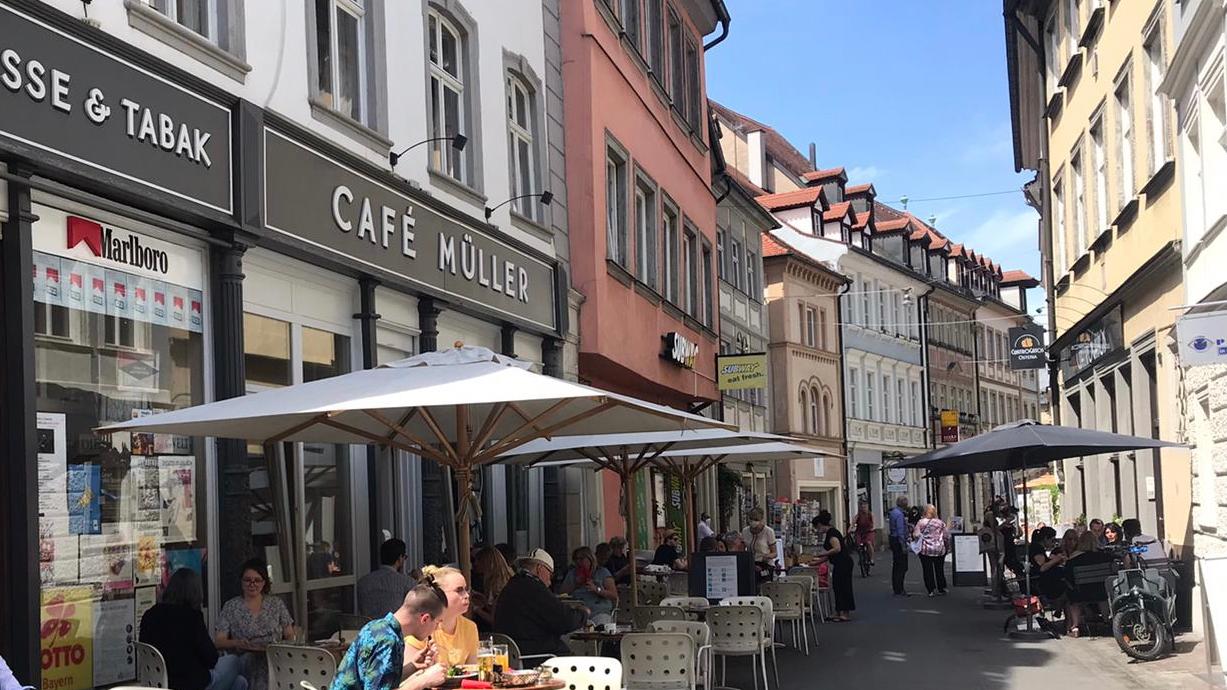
column 530, row 614
column 1155, row 555
column 733, row 542
column 710, row 545
column 669, row 553
column 176, row 627
column 382, row 591
column 1047, row 560
column 493, row 573
column 592, row 585
column 618, row 563
column 251, row 621
column 1086, row 553
column 456, row 637
column 376, row 659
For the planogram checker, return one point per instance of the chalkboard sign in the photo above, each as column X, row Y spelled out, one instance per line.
column 968, row 570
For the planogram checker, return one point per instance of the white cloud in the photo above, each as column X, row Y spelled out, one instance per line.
column 1008, row 237
column 860, row 174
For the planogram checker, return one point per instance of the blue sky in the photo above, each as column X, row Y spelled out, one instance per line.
column 911, row 96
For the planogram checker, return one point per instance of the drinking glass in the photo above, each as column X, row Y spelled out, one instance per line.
column 501, row 657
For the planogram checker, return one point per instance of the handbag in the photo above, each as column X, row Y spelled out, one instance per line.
column 915, row 545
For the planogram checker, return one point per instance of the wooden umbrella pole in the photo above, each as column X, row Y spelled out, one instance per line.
column 628, row 484
column 692, row 526
column 464, row 475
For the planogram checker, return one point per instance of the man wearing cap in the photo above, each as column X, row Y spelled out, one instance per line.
column 530, row 614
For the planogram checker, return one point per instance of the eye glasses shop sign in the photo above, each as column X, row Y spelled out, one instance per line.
column 1203, row 338
column 60, row 94
column 313, row 199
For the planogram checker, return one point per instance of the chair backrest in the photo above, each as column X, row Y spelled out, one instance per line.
column 658, row 661
column 587, row 672
column 513, row 649
column 624, row 595
column 762, row 602
column 699, row 632
column 736, row 629
column 807, row 581
column 643, row 616
column 622, row 614
column 685, row 602
column 679, row 583
column 288, row 665
column 651, row 593
column 787, row 598
column 150, row 667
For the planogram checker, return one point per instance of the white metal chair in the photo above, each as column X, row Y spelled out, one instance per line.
column 150, row 667
column 651, row 593
column 700, row 636
column 738, row 631
column 643, row 616
column 289, row 665
column 587, row 672
column 819, row 595
column 768, row 610
column 678, row 584
column 690, row 604
column 811, row 598
column 788, row 604
column 658, row 661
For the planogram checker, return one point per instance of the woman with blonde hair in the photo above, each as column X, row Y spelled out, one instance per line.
column 933, row 536
column 456, row 637
column 491, row 573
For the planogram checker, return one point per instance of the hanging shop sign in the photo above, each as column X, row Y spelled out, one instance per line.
column 1027, row 349
column 740, row 372
column 63, row 95
column 1203, row 338
column 1092, row 344
column 679, row 349
column 312, row 199
column 950, row 426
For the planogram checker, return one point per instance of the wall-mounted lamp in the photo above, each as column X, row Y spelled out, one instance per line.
column 546, row 197
column 458, row 143
column 907, row 297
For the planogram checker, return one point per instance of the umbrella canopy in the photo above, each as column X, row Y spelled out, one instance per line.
column 1019, row 445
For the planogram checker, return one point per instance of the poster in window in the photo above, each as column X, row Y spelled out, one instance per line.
column 84, row 500
column 96, row 280
column 141, row 289
column 195, row 315
column 66, row 638
column 137, row 371
column 160, row 302
column 142, row 442
column 146, row 597
column 57, row 552
column 118, row 304
column 74, row 277
column 53, row 285
column 178, row 306
column 52, row 464
column 178, row 493
column 106, row 559
column 40, row 281
column 147, row 564
column 114, row 641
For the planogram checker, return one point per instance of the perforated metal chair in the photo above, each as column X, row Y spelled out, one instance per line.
column 643, row 616
column 290, row 665
column 651, row 593
column 587, row 672
column 788, row 604
column 764, row 604
column 692, row 605
column 818, row 594
column 678, row 584
column 514, row 658
column 738, row 631
column 811, row 598
column 150, row 667
column 700, row 635
column 658, row 661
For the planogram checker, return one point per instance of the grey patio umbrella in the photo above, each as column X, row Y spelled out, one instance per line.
column 1020, row 445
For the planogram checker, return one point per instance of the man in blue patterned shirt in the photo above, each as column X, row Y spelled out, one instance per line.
column 376, row 660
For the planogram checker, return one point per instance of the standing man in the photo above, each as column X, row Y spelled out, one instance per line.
column 376, row 660
column 899, row 538
column 381, row 591
column 705, row 529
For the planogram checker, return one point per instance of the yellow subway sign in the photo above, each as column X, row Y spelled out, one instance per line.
column 740, row 372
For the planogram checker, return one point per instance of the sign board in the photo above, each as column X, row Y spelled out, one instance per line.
column 968, row 564
column 739, row 372
column 1027, row 349
column 896, row 475
column 1092, row 344
column 896, row 488
column 678, row 349
column 312, row 199
column 68, row 97
column 1202, row 338
column 950, row 426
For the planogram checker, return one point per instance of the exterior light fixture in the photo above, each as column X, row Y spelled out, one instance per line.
column 546, row 197
column 458, row 143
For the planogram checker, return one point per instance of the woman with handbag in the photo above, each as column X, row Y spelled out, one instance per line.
column 932, row 535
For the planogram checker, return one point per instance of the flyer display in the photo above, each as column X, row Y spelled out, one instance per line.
column 115, row 636
column 720, row 577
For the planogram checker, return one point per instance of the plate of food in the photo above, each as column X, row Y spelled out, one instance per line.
column 462, row 672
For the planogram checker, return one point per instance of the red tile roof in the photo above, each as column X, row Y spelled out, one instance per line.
column 1017, row 277
column 824, row 175
column 892, row 224
column 862, row 220
column 838, row 211
column 783, row 152
column 956, row 250
column 795, row 199
column 774, row 247
column 860, row 189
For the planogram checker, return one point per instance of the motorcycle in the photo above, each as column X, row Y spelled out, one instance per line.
column 1142, row 605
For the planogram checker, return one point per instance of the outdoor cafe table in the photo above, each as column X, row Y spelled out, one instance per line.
column 598, row 638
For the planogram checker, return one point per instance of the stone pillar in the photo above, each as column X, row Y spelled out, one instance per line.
column 551, row 357
column 508, row 340
column 428, row 324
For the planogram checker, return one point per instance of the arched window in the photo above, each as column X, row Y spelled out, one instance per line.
column 804, row 410
column 446, row 97
column 813, row 411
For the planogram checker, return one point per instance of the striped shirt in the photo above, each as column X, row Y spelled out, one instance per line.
column 382, row 591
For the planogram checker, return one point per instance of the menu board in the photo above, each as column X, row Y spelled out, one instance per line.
column 720, row 576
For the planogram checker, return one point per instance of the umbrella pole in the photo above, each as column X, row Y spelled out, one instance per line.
column 628, row 484
column 464, row 539
column 692, row 525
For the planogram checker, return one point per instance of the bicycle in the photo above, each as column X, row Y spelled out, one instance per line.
column 865, row 557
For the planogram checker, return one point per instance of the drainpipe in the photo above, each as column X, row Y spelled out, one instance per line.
column 849, row 478
column 722, row 15
column 922, row 307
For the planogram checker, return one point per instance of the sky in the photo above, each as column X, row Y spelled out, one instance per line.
column 911, row 96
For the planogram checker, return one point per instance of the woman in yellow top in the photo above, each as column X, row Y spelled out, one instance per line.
column 455, row 639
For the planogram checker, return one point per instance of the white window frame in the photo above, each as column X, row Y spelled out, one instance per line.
column 809, row 328
column 1099, row 160
column 916, row 405
column 1058, row 230
column 735, row 263
column 1052, row 44
column 1156, row 67
column 854, row 376
column 647, row 206
column 869, row 395
column 617, row 178
column 442, row 151
column 1079, row 189
column 670, row 237
column 522, row 134
column 887, row 389
column 170, row 8
column 1125, row 183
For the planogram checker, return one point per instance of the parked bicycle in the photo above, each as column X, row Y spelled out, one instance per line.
column 865, row 557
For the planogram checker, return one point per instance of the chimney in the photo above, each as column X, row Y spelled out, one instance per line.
column 756, row 158
column 813, row 156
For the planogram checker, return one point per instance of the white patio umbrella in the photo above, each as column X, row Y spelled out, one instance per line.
column 626, row 454
column 461, row 407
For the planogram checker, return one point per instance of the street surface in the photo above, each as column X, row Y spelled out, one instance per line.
column 952, row 642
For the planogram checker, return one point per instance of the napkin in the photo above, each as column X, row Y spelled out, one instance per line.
column 467, row 684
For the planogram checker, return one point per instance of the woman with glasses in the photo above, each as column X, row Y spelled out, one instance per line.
column 669, row 553
column 251, row 621
column 176, row 627
column 456, row 637
column 592, row 585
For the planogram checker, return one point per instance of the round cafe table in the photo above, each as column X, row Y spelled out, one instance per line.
column 597, row 638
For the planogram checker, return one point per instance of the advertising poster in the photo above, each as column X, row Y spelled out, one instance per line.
column 66, row 638
column 137, row 371
column 741, row 372
column 160, row 302
column 54, row 286
column 1202, row 338
column 95, row 279
column 178, row 492
column 178, row 306
column 146, row 597
column 117, row 295
column 115, row 636
column 84, row 500
column 57, row 551
column 74, row 278
column 147, row 564
column 142, row 442
column 950, row 426
column 40, row 281
column 107, row 559
column 141, row 296
column 192, row 559
column 52, row 464
column 148, row 508
column 195, row 311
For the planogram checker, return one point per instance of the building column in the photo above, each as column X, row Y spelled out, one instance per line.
column 429, row 309
column 551, row 356
column 368, row 319
column 19, row 572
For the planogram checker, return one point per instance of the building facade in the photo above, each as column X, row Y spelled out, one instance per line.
column 1085, row 102
column 642, row 214
column 205, row 216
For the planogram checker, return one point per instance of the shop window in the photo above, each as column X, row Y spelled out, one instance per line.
column 446, row 82
column 340, row 52
column 522, row 147
column 117, row 514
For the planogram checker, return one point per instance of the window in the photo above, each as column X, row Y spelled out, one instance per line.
column 900, row 416
column 854, row 377
column 631, row 23
column 694, row 84
column 869, row 377
column 446, row 97
column 813, row 411
column 1124, row 142
column 1052, row 62
column 1075, row 169
column 882, row 323
column 886, row 391
column 1101, row 176
column 866, row 311
column 822, row 329
column 198, row 15
column 690, row 275
column 669, row 250
column 521, row 150
column 1073, row 28
column 809, row 327
column 825, row 428
column 735, row 263
column 340, row 52
column 1058, row 227
column 805, row 410
column 916, row 411
column 645, row 232
column 709, row 285
column 655, row 25
column 721, row 257
column 615, row 206
column 677, row 74
column 897, row 313
column 752, row 288
column 1157, row 104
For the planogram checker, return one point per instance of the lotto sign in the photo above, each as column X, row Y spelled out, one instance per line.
column 950, row 426
column 66, row 638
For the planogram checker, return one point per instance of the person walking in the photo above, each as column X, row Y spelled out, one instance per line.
column 836, row 551
column 933, row 536
column 865, row 530
column 900, row 536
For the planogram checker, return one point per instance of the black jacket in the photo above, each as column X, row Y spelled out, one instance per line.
column 179, row 633
column 531, row 615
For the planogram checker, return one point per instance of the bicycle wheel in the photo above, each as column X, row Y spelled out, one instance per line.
column 864, row 561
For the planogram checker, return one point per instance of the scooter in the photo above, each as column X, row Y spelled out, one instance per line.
column 1142, row 602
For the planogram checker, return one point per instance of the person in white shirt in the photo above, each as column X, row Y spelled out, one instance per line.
column 760, row 541
column 705, row 529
